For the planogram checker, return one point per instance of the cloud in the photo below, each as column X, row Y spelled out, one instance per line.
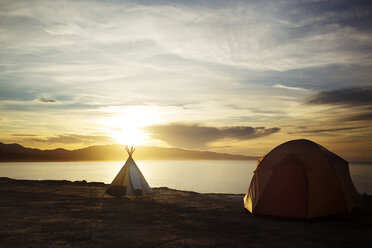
column 281, row 86
column 23, row 135
column 72, row 139
column 351, row 96
column 287, row 35
column 207, row 41
column 46, row 100
column 244, row 133
column 349, row 104
column 323, row 130
column 358, row 117
column 191, row 136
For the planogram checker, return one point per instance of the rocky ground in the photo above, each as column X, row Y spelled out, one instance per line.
column 76, row 214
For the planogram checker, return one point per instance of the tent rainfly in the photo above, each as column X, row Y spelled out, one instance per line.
column 129, row 181
column 301, row 179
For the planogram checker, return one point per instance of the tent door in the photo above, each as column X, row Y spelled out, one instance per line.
column 286, row 192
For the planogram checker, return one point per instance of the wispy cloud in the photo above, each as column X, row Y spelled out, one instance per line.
column 281, row 86
column 352, row 96
column 192, row 136
column 358, row 117
column 72, row 138
column 323, row 130
column 23, row 135
column 46, row 100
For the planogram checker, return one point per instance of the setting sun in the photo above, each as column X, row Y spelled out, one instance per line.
column 129, row 135
column 124, row 125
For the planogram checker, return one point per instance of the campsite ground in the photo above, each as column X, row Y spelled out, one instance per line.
column 74, row 214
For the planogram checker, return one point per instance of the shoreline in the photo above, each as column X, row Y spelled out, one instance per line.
column 123, row 161
column 173, row 159
column 61, row 213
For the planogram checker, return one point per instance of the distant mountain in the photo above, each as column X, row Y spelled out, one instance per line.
column 18, row 153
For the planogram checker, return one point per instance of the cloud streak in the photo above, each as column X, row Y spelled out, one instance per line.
column 281, row 86
column 23, row 135
column 351, row 96
column 192, row 136
column 45, row 100
column 327, row 130
column 359, row 117
column 72, row 139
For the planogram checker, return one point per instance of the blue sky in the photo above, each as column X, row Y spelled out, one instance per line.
column 227, row 76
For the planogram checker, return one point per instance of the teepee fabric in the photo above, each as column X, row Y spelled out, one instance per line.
column 301, row 179
column 129, row 181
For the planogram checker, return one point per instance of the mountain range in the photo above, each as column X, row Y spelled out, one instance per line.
column 114, row 152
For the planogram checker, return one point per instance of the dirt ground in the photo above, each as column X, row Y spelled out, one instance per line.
column 74, row 214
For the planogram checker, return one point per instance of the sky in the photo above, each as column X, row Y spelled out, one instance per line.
column 226, row 76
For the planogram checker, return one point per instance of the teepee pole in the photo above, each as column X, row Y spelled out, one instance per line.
column 130, row 151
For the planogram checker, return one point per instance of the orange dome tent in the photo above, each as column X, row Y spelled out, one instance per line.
column 301, row 179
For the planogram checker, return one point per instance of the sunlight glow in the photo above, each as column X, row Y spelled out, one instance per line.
column 124, row 125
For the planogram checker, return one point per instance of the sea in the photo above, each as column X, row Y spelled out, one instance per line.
column 199, row 176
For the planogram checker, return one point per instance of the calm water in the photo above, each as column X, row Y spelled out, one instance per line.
column 199, row 176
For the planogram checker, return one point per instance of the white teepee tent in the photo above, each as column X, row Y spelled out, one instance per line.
column 129, row 181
